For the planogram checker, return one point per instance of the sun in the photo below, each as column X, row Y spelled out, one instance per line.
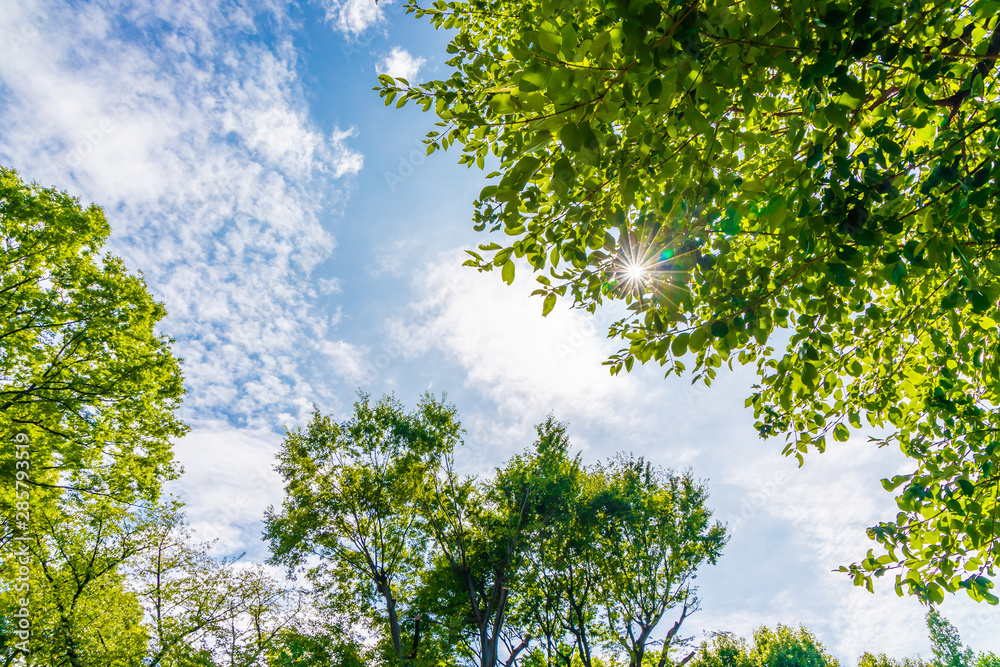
column 650, row 263
column 636, row 273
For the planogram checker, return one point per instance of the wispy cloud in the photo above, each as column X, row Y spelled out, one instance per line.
column 354, row 17
column 400, row 64
column 231, row 475
column 824, row 509
column 189, row 125
column 509, row 352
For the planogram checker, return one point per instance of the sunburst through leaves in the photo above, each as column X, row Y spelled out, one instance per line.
column 652, row 263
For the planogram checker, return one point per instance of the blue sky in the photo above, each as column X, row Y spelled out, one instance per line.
column 305, row 246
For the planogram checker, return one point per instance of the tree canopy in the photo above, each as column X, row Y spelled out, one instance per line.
column 807, row 187
column 94, row 568
column 780, row 647
column 83, row 373
column 548, row 562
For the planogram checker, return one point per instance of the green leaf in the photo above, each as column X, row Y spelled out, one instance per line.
column 548, row 304
column 809, row 180
column 507, row 272
column 840, row 433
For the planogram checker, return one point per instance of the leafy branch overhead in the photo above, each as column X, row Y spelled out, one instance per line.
column 821, row 171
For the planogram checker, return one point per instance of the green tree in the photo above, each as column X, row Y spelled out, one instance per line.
column 318, row 644
column 116, row 584
column 560, row 576
column 479, row 537
column 657, row 534
column 350, row 499
column 882, row 660
column 781, row 647
column 946, row 643
column 529, row 566
column 612, row 549
column 83, row 372
column 820, row 171
column 204, row 610
column 82, row 610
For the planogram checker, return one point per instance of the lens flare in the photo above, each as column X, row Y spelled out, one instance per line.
column 635, row 272
column 653, row 263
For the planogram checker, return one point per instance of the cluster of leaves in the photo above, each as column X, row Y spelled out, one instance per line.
column 547, row 562
column 823, row 171
column 786, row 647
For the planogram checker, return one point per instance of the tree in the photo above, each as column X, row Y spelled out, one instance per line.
column 612, row 549
column 527, row 567
column 124, row 585
column 83, row 373
column 560, row 575
column 781, row 647
column 367, row 496
column 658, row 534
column 82, row 611
column 881, row 660
column 479, row 538
column 817, row 177
column 350, row 493
column 205, row 610
column 946, row 643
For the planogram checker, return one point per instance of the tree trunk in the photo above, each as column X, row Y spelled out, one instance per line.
column 390, row 605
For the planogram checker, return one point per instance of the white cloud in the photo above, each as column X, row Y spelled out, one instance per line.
column 329, row 286
column 229, row 480
column 348, row 360
column 353, row 17
column 196, row 138
column 509, row 352
column 345, row 161
column 400, row 64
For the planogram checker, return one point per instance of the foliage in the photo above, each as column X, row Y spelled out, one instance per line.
column 988, row 660
column 820, row 174
column 83, row 374
column 613, row 549
column 89, row 392
column 117, row 584
column 547, row 562
column 881, row 660
column 946, row 643
column 350, row 500
column 82, row 612
column 207, row 610
column 320, row 644
column 781, row 647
